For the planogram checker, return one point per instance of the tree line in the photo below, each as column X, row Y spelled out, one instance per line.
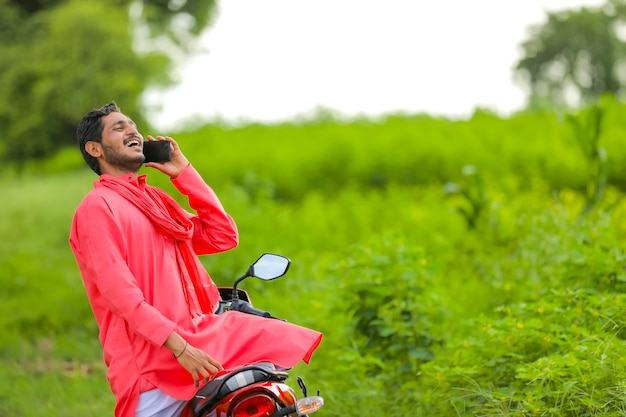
column 59, row 57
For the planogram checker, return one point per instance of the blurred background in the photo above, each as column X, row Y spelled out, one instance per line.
column 448, row 179
column 175, row 62
column 278, row 59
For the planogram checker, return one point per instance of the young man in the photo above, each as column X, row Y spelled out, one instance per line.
column 153, row 301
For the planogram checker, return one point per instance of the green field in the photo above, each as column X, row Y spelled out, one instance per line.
column 457, row 268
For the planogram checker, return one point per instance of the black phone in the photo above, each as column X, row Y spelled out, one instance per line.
column 156, row 151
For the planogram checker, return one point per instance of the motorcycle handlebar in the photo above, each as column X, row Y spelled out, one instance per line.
column 245, row 307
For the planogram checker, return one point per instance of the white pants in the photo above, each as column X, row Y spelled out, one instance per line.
column 156, row 403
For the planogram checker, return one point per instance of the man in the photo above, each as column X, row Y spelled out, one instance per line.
column 153, row 301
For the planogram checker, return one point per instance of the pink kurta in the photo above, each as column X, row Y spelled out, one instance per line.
column 133, row 283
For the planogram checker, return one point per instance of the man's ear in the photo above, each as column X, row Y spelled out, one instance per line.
column 93, row 148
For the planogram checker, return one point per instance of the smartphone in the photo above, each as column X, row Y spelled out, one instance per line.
column 156, row 151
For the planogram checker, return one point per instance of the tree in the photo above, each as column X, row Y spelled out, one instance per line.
column 61, row 58
column 575, row 57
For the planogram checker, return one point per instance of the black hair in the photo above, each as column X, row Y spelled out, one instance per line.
column 90, row 129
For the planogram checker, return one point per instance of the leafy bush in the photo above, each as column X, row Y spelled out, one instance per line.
column 561, row 356
column 393, row 307
column 516, row 312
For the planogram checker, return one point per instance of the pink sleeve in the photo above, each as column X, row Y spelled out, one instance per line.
column 101, row 253
column 214, row 229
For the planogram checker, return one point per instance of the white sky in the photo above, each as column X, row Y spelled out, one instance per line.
column 271, row 60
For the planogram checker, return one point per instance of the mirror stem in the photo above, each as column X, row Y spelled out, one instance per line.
column 235, row 294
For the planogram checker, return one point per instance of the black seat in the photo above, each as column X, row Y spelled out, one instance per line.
column 218, row 388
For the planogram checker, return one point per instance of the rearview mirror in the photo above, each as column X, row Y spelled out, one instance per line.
column 270, row 266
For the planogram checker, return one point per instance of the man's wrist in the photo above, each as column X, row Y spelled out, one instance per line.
column 182, row 351
column 176, row 344
column 179, row 173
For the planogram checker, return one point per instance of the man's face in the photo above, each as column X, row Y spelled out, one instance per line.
column 122, row 144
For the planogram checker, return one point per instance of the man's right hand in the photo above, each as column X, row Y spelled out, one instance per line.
column 196, row 361
column 199, row 364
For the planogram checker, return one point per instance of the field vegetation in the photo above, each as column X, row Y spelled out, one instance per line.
column 456, row 267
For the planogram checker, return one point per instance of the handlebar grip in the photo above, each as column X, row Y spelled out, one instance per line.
column 245, row 307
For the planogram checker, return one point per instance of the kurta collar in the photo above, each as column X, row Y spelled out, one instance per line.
column 130, row 177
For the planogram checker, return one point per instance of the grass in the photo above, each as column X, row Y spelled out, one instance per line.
column 383, row 261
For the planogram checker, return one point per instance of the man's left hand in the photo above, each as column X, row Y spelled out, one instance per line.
column 177, row 163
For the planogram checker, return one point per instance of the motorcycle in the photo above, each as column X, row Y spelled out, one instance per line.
column 257, row 390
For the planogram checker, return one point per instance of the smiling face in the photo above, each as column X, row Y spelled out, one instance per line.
column 121, row 149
